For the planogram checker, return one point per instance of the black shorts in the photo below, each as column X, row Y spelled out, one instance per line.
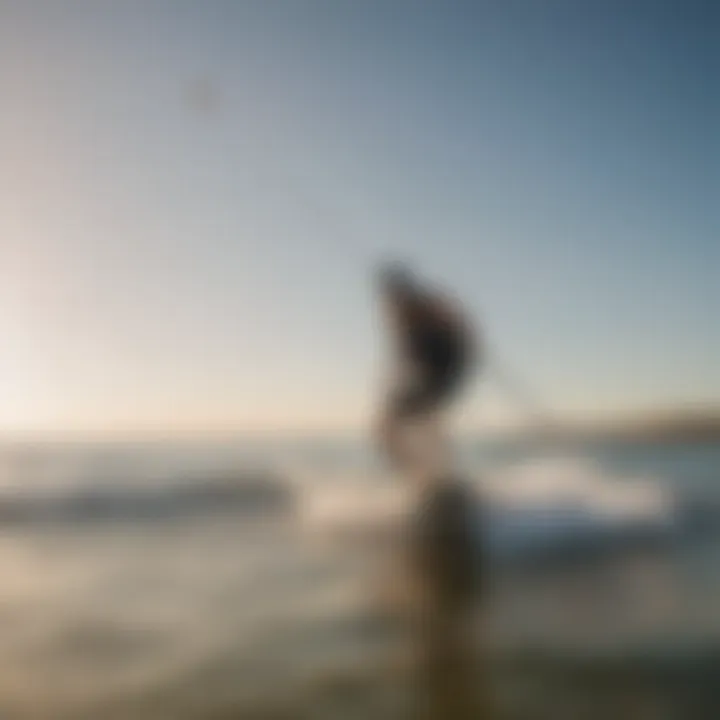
column 432, row 393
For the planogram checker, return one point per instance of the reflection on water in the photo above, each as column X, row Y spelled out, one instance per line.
column 448, row 564
column 194, row 618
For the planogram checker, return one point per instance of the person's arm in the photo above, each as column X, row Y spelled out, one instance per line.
column 448, row 312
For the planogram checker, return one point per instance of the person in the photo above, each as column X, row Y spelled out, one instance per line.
column 435, row 351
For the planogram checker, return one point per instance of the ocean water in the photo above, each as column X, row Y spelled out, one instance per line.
column 258, row 580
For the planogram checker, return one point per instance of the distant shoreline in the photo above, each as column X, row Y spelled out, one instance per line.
column 667, row 429
column 672, row 427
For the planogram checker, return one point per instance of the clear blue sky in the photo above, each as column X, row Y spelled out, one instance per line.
column 192, row 195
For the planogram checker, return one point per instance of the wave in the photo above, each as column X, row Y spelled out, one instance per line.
column 246, row 493
column 549, row 507
column 574, row 506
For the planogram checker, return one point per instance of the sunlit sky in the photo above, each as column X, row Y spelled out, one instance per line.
column 193, row 194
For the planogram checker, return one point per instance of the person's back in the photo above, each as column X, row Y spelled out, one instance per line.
column 436, row 351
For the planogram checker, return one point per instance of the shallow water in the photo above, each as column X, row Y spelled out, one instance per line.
column 224, row 605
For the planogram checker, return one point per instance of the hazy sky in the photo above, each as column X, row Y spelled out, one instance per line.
column 192, row 195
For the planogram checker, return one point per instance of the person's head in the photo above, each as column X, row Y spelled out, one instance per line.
column 396, row 282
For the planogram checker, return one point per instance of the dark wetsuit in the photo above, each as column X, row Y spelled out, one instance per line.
column 440, row 350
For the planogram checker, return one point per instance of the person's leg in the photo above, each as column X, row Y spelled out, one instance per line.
column 411, row 432
column 433, row 450
column 403, row 407
column 388, row 434
column 432, row 457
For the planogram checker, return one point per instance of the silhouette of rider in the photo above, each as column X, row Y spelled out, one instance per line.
column 435, row 350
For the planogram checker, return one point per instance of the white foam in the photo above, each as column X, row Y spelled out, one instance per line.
column 544, row 504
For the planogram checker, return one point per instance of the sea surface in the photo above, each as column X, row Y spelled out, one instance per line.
column 254, row 580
